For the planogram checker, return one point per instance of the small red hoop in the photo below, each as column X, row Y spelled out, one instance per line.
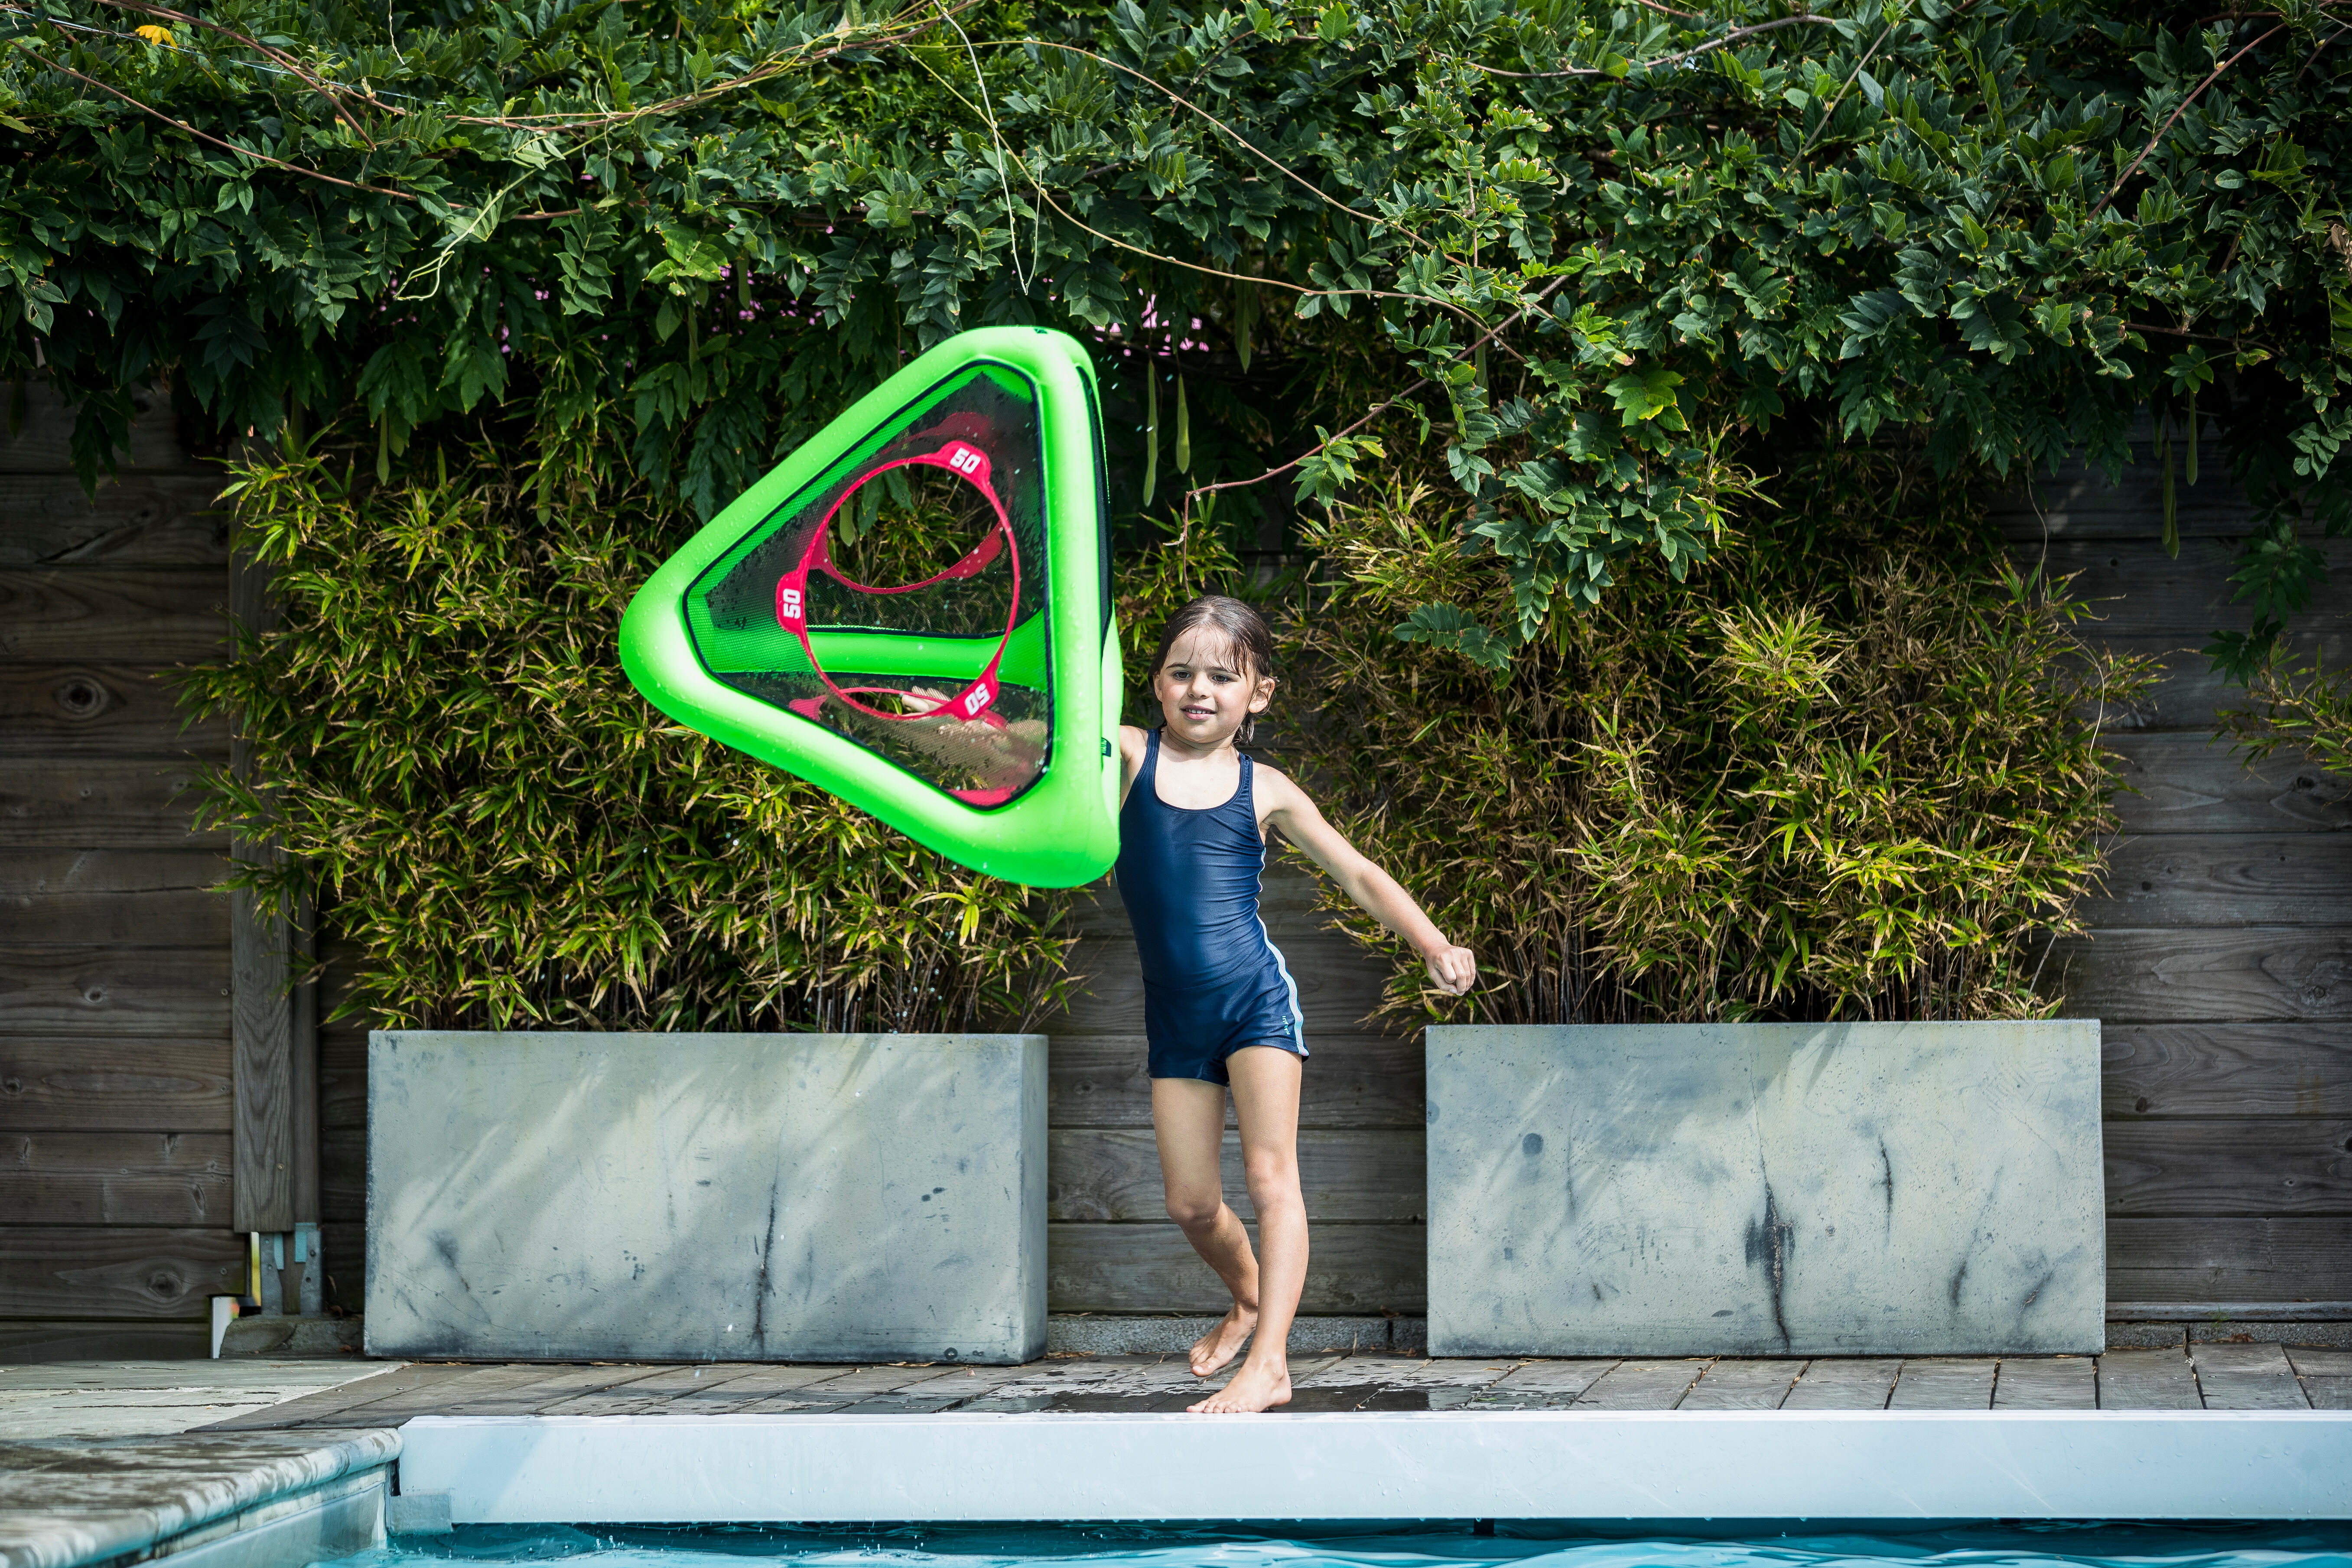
column 968, row 462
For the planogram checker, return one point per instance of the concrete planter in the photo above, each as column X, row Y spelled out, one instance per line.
column 1777, row 1189
column 777, row 1197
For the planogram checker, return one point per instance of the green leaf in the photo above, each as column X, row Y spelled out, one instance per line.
column 1641, row 395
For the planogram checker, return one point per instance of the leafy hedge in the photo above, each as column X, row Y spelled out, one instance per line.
column 1564, row 243
column 1613, row 281
column 1829, row 776
column 459, row 759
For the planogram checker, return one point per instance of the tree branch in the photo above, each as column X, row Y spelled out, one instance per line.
column 1382, row 408
column 206, row 136
column 2175, row 119
column 1732, row 37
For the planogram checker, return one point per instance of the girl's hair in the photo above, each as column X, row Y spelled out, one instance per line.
column 1246, row 634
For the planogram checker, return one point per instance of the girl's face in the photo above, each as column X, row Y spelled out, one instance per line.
column 1206, row 690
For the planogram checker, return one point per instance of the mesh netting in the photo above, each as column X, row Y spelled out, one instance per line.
column 899, row 599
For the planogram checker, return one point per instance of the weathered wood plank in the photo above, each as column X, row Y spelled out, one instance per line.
column 80, row 1271
column 74, row 803
column 347, row 1402
column 44, row 443
column 2190, row 696
column 2206, row 880
column 2226, row 1260
column 2078, row 501
column 1152, row 1269
column 346, row 1248
column 272, row 1029
column 2051, row 1383
column 1353, row 1080
column 2226, row 1070
column 277, row 1170
column 737, row 1394
column 2164, row 976
column 132, row 614
column 430, row 1396
column 1641, row 1385
column 1857, row 1384
column 135, row 897
column 867, row 1390
column 2195, row 783
column 2137, row 588
column 2247, row 1377
column 651, row 1396
column 115, row 1178
column 1338, row 986
column 180, row 992
column 526, row 1395
column 343, row 1076
column 1114, row 1174
column 1552, row 1378
column 94, row 710
column 1744, row 1386
column 145, row 520
column 106, row 1085
column 87, row 1340
column 343, row 1174
column 1944, row 1382
column 854, row 1382
column 1451, row 1372
column 2250, row 1166
column 2328, row 1393
column 2148, row 1380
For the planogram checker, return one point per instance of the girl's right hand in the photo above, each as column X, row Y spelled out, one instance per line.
column 1453, row 969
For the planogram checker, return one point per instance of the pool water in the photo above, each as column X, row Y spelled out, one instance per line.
column 1459, row 1545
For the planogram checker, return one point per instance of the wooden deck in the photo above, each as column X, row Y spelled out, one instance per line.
column 106, row 1460
column 2219, row 1377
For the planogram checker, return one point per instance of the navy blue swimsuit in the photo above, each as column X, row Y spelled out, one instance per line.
column 1214, row 981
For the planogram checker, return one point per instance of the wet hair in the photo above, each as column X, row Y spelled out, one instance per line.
column 1246, row 633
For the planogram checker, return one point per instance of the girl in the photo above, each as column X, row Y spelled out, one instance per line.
column 1220, row 1009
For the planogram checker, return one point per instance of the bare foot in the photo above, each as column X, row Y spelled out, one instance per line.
column 1212, row 1349
column 1256, row 1387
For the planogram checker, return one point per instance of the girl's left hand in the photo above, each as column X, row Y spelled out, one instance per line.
column 1453, row 969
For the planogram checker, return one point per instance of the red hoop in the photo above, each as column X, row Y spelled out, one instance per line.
column 966, row 461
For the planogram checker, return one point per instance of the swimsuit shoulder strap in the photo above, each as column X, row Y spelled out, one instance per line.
column 1147, row 775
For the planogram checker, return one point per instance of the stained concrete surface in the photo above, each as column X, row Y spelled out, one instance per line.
column 819, row 1197
column 156, row 1398
column 69, row 1501
column 1890, row 1189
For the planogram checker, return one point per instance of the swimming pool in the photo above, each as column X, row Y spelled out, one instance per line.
column 1521, row 1544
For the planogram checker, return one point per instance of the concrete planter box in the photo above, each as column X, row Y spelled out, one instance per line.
column 749, row 1197
column 1774, row 1190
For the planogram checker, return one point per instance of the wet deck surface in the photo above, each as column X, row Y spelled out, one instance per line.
column 126, row 1399
column 99, row 1458
column 2217, row 1377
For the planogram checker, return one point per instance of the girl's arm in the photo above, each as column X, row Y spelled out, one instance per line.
column 1453, row 969
column 1131, row 743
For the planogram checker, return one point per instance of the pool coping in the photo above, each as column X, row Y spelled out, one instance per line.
column 1386, row 1465
column 247, row 1500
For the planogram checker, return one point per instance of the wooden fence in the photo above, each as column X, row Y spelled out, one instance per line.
column 2221, row 962
column 115, row 1037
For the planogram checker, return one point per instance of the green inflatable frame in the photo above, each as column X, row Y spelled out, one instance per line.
column 1061, row 829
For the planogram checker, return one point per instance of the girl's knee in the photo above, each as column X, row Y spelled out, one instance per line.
column 1272, row 1176
column 1194, row 1210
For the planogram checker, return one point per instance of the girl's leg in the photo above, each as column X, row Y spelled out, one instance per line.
column 1266, row 1094
column 1188, row 1118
